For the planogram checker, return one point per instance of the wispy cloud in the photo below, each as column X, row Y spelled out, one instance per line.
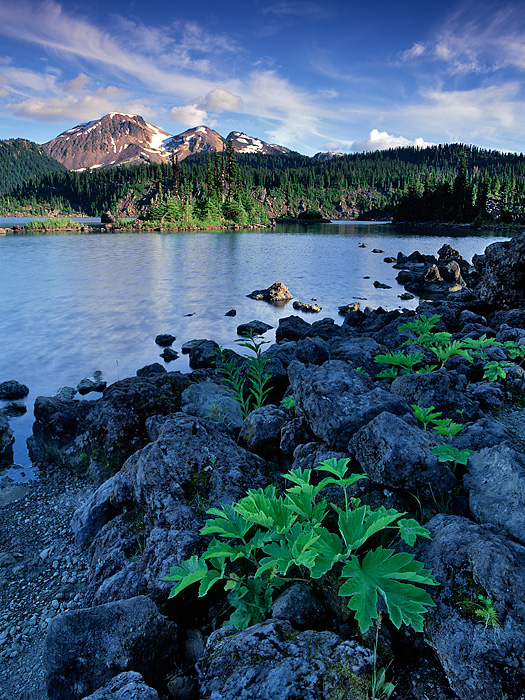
column 291, row 8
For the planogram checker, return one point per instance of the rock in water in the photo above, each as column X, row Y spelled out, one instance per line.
column 12, row 389
column 278, row 292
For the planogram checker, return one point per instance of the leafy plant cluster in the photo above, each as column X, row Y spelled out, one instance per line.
column 440, row 343
column 265, row 540
column 248, row 380
column 445, row 452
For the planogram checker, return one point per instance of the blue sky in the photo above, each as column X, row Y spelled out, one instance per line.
column 312, row 76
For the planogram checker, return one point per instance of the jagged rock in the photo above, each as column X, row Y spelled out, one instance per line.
column 496, row 482
column 337, row 401
column 445, row 390
column 71, row 433
column 190, row 344
column 204, row 354
column 389, row 259
column 397, row 455
column 165, row 339
column 148, row 370
column 11, row 389
column 86, row 648
column 502, row 280
column 161, row 494
column 15, row 408
column 485, row 432
column 255, row 327
column 358, row 351
column 377, row 250
column 210, row 400
column 284, row 664
column 312, row 351
column 126, row 686
column 301, row 607
column 95, row 383
column 261, row 430
column 447, row 251
column 231, row 312
column 406, row 296
column 349, row 308
column 168, row 354
column 308, row 308
column 107, row 218
column 480, row 661
column 278, row 292
column 293, row 433
column 291, row 328
column 6, row 440
column 381, row 285
column 66, row 392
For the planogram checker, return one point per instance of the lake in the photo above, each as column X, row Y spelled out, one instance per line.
column 74, row 304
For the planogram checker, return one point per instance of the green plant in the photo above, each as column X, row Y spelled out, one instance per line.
column 421, row 325
column 425, row 415
column 381, row 688
column 248, row 381
column 449, row 453
column 405, row 362
column 289, row 403
column 481, row 607
column 265, row 540
column 216, row 413
column 495, row 370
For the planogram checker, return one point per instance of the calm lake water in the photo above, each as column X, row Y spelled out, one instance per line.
column 73, row 304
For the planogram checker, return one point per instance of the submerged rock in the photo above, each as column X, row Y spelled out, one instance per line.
column 11, row 389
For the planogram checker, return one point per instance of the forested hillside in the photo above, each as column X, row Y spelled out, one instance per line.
column 22, row 160
column 444, row 183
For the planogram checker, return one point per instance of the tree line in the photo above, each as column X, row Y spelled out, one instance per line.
column 452, row 182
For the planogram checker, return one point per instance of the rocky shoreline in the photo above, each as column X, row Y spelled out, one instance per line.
column 136, row 470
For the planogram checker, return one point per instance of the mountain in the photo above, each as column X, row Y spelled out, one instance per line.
column 112, row 140
column 328, row 155
column 21, row 160
column 247, row 144
column 117, row 138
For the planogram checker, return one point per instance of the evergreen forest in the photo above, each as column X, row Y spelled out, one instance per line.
column 446, row 183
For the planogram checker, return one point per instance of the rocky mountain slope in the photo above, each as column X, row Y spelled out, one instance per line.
column 117, row 138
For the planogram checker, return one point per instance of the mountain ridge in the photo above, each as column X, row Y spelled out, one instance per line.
column 118, row 139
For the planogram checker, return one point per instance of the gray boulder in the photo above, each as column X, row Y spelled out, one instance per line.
column 445, row 390
column 502, row 280
column 480, row 659
column 255, row 327
column 86, row 648
column 214, row 401
column 6, row 440
column 126, row 686
column 291, row 328
column 301, row 607
column 397, row 455
column 272, row 661
column 108, row 430
column 161, row 495
column 165, row 339
column 89, row 384
column 204, row 354
column 11, row 389
column 496, row 482
column 261, row 430
column 359, row 351
column 337, row 401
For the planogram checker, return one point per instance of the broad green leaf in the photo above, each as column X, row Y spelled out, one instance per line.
column 299, row 476
column 410, row 529
column 221, row 550
column 211, row 577
column 266, row 509
column 190, row 571
column 301, row 542
column 304, row 507
column 358, row 525
column 329, row 548
column 383, row 572
column 279, row 558
column 449, row 453
column 228, row 523
column 342, row 482
column 337, row 467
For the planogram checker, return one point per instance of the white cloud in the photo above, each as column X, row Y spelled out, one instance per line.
column 189, row 115
column 219, row 100
column 416, row 51
column 381, row 140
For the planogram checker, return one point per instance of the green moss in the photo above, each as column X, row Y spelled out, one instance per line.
column 347, row 685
